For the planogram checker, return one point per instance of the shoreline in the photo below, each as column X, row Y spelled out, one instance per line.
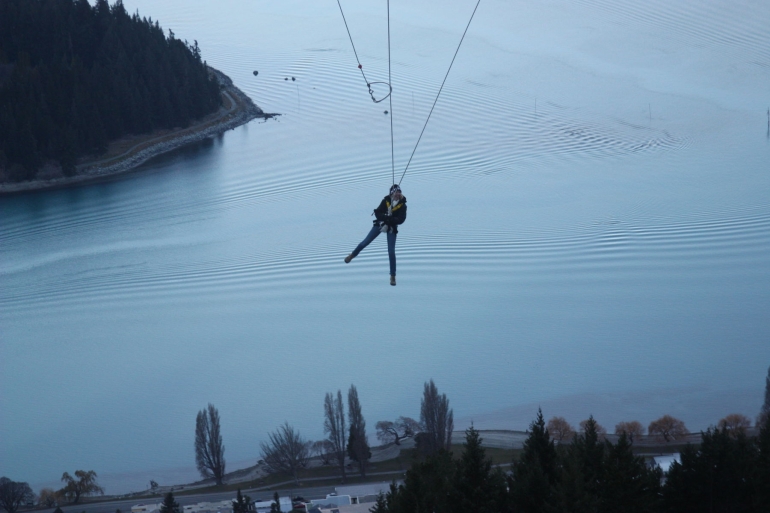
column 237, row 109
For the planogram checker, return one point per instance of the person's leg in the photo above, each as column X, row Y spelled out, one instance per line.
column 392, row 252
column 375, row 231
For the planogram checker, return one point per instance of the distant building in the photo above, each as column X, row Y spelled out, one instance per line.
column 363, row 493
column 331, row 501
column 210, row 507
column 145, row 508
column 264, row 506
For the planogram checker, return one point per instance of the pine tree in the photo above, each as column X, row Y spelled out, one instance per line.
column 762, row 470
column 714, row 476
column 427, row 488
column 241, row 504
column 170, row 505
column 275, row 507
column 535, row 473
column 580, row 482
column 628, row 485
column 477, row 487
column 380, row 505
column 358, row 446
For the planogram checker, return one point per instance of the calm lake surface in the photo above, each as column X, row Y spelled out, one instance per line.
column 588, row 230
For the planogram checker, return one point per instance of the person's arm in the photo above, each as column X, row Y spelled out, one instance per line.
column 380, row 213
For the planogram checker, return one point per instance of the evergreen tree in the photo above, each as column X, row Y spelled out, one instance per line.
column 628, row 485
column 580, row 482
column 764, row 414
column 73, row 76
column 762, row 470
column 358, row 446
column 477, row 487
column 535, row 473
column 170, row 505
column 275, row 507
column 242, row 504
column 715, row 476
column 427, row 488
column 380, row 505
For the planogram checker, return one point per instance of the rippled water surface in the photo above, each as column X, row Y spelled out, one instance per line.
column 588, row 229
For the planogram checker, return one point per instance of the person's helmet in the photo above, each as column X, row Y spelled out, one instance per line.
column 395, row 187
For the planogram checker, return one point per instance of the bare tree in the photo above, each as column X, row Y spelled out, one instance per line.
column 13, row 494
column 322, row 449
column 285, row 452
column 47, row 498
column 437, row 421
column 560, row 429
column 84, row 485
column 358, row 445
column 334, row 428
column 667, row 428
column 209, row 449
column 632, row 429
column 403, row 427
column 735, row 424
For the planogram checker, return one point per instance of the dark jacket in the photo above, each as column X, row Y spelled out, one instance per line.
column 397, row 214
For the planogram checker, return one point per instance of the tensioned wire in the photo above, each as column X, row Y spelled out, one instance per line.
column 390, row 87
column 439, row 91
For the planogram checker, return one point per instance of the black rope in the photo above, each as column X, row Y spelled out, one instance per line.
column 360, row 66
column 439, row 91
column 390, row 95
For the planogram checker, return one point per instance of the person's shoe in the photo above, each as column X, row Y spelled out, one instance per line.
column 348, row 258
column 393, row 279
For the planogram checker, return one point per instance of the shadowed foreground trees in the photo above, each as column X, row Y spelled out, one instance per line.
column 725, row 472
column 534, row 475
column 209, row 449
column 170, row 505
column 764, row 413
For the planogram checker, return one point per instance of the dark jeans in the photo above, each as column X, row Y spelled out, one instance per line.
column 375, row 231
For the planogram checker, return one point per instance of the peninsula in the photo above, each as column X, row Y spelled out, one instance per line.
column 88, row 91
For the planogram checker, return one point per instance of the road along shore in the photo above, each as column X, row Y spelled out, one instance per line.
column 127, row 153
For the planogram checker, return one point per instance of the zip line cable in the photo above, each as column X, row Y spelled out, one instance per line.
column 390, row 81
column 439, row 91
column 390, row 88
column 360, row 67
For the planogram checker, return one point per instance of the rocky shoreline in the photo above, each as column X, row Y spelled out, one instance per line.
column 238, row 109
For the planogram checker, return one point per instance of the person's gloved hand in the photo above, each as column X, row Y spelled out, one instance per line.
column 384, row 228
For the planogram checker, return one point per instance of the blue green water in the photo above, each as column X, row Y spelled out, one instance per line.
column 588, row 229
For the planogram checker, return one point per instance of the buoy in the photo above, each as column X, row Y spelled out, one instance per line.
column 293, row 79
column 256, row 73
column 286, row 78
column 386, row 112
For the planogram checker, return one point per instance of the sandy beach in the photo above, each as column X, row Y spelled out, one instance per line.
column 129, row 152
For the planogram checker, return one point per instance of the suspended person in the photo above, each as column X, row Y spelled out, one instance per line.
column 388, row 215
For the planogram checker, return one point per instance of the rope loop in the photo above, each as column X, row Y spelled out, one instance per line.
column 371, row 91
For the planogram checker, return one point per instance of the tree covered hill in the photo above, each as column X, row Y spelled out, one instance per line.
column 75, row 76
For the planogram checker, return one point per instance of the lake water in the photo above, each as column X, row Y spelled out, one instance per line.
column 588, row 230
